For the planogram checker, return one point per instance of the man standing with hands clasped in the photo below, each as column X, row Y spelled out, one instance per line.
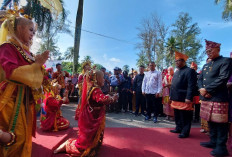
column 181, row 93
column 151, row 88
column 214, row 96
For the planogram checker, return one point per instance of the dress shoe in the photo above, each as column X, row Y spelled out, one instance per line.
column 155, row 120
column 175, row 131
column 183, row 136
column 221, row 154
column 208, row 144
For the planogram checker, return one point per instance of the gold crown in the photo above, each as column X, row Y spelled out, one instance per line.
column 17, row 12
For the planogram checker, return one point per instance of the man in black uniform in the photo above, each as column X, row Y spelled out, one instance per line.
column 137, row 90
column 181, row 93
column 214, row 95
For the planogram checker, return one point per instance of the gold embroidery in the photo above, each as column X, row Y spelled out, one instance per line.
column 22, row 52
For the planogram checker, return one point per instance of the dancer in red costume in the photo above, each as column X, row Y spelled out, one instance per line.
column 91, row 122
column 86, row 66
column 54, row 121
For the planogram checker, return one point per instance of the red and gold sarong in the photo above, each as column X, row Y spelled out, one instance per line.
column 214, row 111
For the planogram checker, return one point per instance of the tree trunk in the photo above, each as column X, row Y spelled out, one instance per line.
column 77, row 35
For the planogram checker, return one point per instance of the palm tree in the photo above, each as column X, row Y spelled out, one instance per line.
column 142, row 61
column 126, row 68
column 171, row 46
column 49, row 43
column 87, row 59
column 227, row 13
column 77, row 37
column 69, row 53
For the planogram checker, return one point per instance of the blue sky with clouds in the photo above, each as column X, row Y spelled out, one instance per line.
column 121, row 18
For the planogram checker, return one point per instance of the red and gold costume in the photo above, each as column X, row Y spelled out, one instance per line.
column 80, row 86
column 166, row 91
column 21, row 76
column 54, row 121
column 91, row 122
column 60, row 77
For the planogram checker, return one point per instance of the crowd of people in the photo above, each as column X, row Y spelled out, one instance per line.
column 26, row 86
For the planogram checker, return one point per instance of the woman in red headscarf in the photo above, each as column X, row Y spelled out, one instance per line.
column 91, row 122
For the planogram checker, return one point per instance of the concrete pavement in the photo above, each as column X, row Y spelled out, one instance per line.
column 121, row 119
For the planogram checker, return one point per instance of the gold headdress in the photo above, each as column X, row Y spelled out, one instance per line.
column 8, row 25
column 17, row 12
column 85, row 64
column 91, row 77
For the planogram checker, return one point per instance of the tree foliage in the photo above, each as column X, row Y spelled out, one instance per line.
column 126, row 68
column 152, row 35
column 87, row 59
column 41, row 15
column 171, row 46
column 161, row 31
column 49, row 43
column 186, row 35
column 68, row 55
column 146, row 35
column 142, row 60
column 98, row 66
column 227, row 12
column 159, row 45
column 67, row 66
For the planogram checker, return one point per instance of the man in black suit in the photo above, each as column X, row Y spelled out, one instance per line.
column 181, row 93
column 214, row 98
column 137, row 90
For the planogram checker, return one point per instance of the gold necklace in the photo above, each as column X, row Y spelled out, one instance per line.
column 19, row 48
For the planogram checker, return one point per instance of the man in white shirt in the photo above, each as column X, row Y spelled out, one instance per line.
column 152, row 88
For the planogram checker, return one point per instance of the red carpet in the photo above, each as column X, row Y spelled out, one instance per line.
column 130, row 142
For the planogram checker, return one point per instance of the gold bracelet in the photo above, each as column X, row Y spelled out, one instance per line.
column 13, row 137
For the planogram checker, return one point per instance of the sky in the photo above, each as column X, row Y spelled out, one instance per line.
column 121, row 18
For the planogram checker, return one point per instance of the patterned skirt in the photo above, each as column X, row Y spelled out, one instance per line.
column 214, row 111
column 168, row 110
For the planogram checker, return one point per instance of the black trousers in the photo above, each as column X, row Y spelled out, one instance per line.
column 197, row 111
column 130, row 97
column 183, row 120
column 125, row 99
column 152, row 105
column 160, row 105
column 219, row 135
column 140, row 101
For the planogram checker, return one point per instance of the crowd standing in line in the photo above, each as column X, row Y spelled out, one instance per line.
column 26, row 86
